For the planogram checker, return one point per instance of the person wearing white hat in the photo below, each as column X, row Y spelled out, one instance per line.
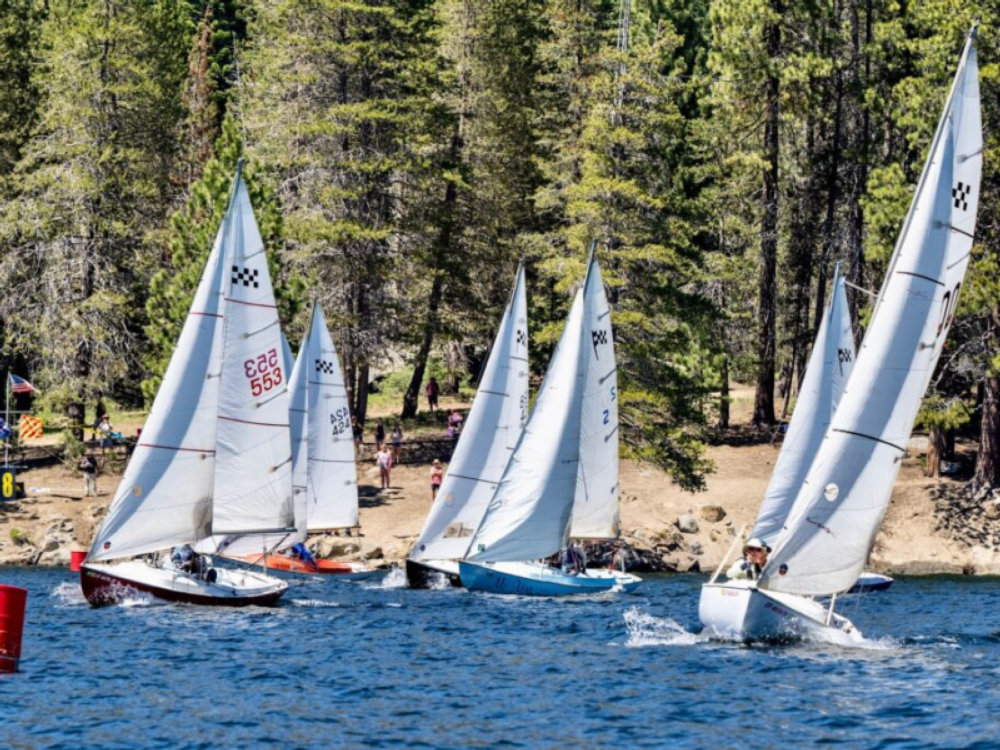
column 754, row 559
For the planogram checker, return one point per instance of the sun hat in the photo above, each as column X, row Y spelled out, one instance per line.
column 755, row 543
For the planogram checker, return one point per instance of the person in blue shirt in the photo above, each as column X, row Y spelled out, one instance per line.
column 301, row 552
column 5, row 430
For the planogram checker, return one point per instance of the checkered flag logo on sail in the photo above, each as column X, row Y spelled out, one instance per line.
column 598, row 337
column 324, row 367
column 522, row 337
column 961, row 195
column 246, row 276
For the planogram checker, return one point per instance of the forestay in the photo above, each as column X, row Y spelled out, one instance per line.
column 836, row 515
column 332, row 495
column 253, row 467
column 165, row 496
column 495, row 423
column 528, row 516
column 830, row 365
column 595, row 506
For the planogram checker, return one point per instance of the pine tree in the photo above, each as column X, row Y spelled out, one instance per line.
column 93, row 188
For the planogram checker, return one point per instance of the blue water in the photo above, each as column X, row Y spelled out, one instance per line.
column 342, row 665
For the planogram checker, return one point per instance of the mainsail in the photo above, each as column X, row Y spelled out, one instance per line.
column 530, row 514
column 165, row 496
column 332, row 495
column 253, row 465
column 829, row 368
column 836, row 515
column 595, row 507
column 297, row 418
column 491, row 432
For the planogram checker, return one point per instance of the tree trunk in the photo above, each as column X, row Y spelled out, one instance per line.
column 412, row 396
column 856, row 269
column 724, row 396
column 763, row 412
column 988, row 459
column 361, row 410
column 936, row 446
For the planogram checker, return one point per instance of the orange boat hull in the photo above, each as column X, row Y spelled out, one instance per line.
column 293, row 565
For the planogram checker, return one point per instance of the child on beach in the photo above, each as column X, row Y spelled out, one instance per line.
column 437, row 475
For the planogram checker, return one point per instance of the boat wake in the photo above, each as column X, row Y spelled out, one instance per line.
column 69, row 595
column 394, row 579
column 314, row 603
column 646, row 630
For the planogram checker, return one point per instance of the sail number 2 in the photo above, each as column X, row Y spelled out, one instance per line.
column 263, row 372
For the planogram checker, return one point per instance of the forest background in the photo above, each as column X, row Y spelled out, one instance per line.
column 403, row 156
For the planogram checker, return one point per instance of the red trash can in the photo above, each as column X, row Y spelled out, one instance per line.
column 12, row 605
column 76, row 559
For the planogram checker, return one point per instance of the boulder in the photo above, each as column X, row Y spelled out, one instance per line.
column 712, row 513
column 375, row 554
column 992, row 511
column 695, row 548
column 687, row 523
column 334, row 548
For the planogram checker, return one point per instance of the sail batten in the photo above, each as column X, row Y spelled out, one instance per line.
column 493, row 428
column 835, row 517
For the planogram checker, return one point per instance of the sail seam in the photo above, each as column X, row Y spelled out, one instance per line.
column 251, row 304
column 247, row 421
column 871, row 437
column 175, row 448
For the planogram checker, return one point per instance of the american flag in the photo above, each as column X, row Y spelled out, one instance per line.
column 20, row 385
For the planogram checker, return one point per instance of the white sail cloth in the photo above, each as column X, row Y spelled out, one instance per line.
column 827, row 373
column 165, row 496
column 837, row 513
column 495, row 422
column 297, row 419
column 332, row 494
column 595, row 506
column 530, row 514
column 253, row 465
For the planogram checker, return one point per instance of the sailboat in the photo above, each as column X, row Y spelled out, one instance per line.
column 495, row 423
column 324, row 474
column 214, row 461
column 830, row 529
column 563, row 458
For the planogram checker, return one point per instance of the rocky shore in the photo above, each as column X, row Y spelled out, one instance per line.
column 933, row 525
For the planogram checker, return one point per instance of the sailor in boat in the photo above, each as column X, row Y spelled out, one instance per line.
column 574, row 559
column 754, row 559
column 186, row 560
column 301, row 553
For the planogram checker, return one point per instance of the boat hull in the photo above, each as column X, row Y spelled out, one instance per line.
column 290, row 568
column 428, row 574
column 739, row 611
column 536, row 579
column 871, row 582
column 105, row 585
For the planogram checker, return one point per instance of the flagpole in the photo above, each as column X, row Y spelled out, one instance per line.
column 6, row 442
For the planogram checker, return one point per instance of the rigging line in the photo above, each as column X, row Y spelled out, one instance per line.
column 869, row 292
column 271, row 398
column 601, row 380
column 953, row 228
column 611, row 434
column 921, row 276
column 870, row 437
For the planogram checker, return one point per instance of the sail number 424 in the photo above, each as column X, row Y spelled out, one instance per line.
column 263, row 372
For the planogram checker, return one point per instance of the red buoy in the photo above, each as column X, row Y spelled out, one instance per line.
column 12, row 604
column 76, row 559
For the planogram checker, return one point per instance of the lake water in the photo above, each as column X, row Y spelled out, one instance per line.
column 376, row 665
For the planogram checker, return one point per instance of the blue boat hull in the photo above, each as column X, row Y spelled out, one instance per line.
column 535, row 579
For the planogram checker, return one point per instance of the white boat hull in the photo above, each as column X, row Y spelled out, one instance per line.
column 739, row 611
column 109, row 584
column 537, row 579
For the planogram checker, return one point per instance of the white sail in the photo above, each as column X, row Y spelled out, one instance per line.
column 298, row 427
column 332, row 495
column 165, row 496
column 493, row 428
column 827, row 373
column 253, row 466
column 595, row 508
column 837, row 513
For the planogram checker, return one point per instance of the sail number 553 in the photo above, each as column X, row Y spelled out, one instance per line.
column 263, row 372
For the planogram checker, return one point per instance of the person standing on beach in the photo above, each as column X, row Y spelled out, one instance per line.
column 432, row 390
column 397, row 442
column 379, row 434
column 358, row 431
column 88, row 467
column 384, row 460
column 437, row 475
